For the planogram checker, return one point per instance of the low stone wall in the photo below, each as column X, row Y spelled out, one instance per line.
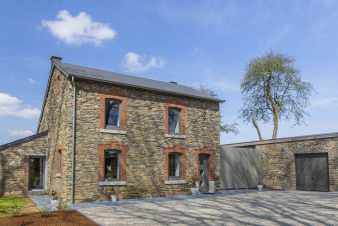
column 14, row 163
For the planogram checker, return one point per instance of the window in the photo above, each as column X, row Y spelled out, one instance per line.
column 174, row 166
column 112, row 113
column 174, row 120
column 111, row 164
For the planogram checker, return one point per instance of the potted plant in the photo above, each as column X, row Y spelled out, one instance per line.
column 195, row 190
column 54, row 202
column 260, row 183
column 113, row 197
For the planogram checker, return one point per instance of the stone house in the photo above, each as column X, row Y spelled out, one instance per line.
column 307, row 163
column 103, row 133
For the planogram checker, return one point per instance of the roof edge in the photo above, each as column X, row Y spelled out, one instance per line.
column 284, row 140
column 23, row 140
column 51, row 71
column 149, row 89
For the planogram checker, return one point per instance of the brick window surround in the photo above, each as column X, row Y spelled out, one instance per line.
column 59, row 159
column 183, row 116
column 122, row 111
column 183, row 161
column 211, row 162
column 122, row 159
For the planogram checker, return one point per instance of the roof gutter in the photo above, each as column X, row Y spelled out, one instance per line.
column 73, row 140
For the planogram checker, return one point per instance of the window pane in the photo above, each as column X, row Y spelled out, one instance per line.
column 174, row 120
column 112, row 113
column 111, row 163
column 174, row 165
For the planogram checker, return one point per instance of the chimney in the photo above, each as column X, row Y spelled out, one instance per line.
column 55, row 59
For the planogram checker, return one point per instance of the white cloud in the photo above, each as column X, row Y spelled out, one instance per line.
column 13, row 106
column 21, row 133
column 78, row 29
column 31, row 81
column 324, row 102
column 134, row 62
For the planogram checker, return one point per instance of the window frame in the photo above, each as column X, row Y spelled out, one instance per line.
column 123, row 111
column 179, row 113
column 122, row 161
column 182, row 152
column 177, row 160
column 183, row 118
column 118, row 156
column 106, row 119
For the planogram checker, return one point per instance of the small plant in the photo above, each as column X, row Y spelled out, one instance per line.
column 62, row 205
column 44, row 211
column 54, row 195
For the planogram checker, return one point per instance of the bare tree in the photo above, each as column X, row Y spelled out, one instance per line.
column 273, row 90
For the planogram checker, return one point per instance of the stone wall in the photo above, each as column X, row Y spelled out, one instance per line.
column 145, row 139
column 279, row 161
column 57, row 119
column 14, row 164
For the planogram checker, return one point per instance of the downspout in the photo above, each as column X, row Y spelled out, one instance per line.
column 74, row 140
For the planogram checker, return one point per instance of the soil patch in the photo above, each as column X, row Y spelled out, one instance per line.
column 58, row 218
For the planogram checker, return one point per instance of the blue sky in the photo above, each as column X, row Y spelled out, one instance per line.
column 195, row 43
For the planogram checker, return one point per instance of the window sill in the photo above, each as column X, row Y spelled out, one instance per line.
column 113, row 131
column 113, row 183
column 176, row 136
column 175, row 182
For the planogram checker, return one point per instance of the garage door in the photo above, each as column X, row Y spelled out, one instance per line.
column 312, row 172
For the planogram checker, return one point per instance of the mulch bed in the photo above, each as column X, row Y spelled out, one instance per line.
column 59, row 218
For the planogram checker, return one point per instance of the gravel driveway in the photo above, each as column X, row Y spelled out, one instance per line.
column 228, row 208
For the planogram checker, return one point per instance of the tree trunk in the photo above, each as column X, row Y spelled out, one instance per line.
column 254, row 122
column 275, row 123
column 274, row 106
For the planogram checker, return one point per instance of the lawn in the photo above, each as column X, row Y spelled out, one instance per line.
column 10, row 205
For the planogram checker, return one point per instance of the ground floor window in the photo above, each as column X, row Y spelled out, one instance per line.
column 36, row 172
column 174, row 166
column 111, row 164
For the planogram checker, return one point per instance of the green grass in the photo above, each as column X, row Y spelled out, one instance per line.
column 10, row 205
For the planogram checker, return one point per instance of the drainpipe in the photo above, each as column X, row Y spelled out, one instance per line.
column 73, row 141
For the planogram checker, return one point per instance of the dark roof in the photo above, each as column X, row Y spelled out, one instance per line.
column 22, row 140
column 284, row 140
column 133, row 81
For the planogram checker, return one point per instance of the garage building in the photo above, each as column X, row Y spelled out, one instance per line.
column 307, row 163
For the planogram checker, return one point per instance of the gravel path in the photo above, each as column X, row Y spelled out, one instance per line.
column 229, row 208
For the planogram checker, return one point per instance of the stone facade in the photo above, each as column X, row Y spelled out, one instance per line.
column 142, row 138
column 279, row 160
column 145, row 140
column 14, row 164
column 57, row 119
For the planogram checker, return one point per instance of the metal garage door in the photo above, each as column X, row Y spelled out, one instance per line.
column 312, row 172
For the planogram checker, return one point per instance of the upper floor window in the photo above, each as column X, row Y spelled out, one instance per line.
column 112, row 113
column 174, row 165
column 111, row 164
column 174, row 118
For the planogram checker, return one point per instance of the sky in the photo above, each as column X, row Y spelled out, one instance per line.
column 195, row 43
